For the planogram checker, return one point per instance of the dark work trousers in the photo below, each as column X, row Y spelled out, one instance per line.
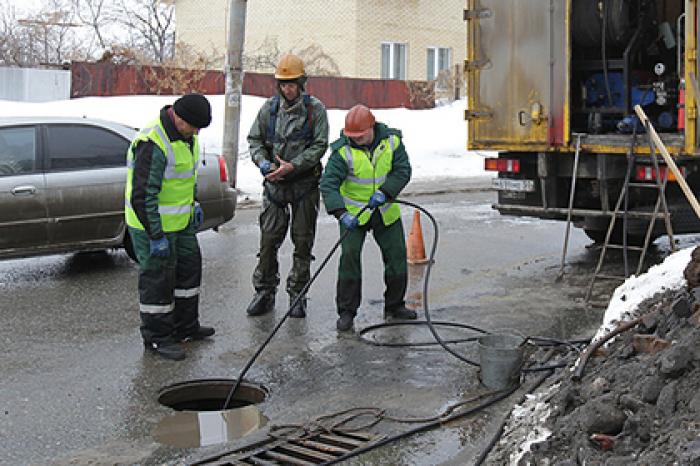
column 393, row 247
column 302, row 202
column 169, row 287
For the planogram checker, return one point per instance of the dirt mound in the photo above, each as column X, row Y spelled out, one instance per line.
column 638, row 401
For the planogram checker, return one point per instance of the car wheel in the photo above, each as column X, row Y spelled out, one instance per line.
column 129, row 248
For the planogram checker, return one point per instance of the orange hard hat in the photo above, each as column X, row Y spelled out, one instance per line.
column 289, row 67
column 358, row 121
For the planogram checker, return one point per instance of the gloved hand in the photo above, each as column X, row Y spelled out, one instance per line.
column 265, row 167
column 377, row 199
column 197, row 215
column 349, row 221
column 160, row 247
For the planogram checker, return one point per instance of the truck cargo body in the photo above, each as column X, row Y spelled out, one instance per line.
column 544, row 74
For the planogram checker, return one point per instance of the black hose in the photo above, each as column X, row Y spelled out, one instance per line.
column 428, row 321
column 603, row 53
column 299, row 296
column 374, row 327
column 426, row 281
column 424, row 427
column 426, row 307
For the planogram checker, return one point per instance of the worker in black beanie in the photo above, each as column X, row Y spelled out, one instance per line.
column 163, row 215
column 194, row 109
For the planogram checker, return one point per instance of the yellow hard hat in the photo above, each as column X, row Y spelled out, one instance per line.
column 289, row 67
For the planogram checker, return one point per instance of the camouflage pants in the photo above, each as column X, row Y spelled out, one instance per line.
column 274, row 223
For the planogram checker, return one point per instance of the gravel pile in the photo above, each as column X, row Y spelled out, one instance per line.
column 638, row 401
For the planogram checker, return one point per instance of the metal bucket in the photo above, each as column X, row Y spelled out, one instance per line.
column 501, row 358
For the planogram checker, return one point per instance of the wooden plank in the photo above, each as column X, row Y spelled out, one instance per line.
column 669, row 160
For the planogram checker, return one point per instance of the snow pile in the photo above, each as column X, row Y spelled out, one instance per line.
column 627, row 297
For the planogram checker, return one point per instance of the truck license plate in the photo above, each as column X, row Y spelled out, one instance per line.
column 504, row 184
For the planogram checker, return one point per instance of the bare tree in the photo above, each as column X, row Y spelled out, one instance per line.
column 96, row 15
column 13, row 46
column 264, row 58
column 47, row 37
column 316, row 61
column 151, row 25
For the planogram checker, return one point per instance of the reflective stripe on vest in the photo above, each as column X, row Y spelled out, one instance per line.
column 365, row 176
column 176, row 196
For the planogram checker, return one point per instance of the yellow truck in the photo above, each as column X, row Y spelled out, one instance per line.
column 545, row 75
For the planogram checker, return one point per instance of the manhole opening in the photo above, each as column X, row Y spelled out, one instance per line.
column 210, row 395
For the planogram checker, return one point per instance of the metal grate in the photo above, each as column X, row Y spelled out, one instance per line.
column 314, row 449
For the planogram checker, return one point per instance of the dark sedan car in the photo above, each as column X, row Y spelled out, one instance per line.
column 62, row 186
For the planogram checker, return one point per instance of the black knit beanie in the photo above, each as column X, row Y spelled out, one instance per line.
column 194, row 109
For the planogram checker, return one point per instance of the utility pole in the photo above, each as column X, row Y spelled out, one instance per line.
column 234, row 84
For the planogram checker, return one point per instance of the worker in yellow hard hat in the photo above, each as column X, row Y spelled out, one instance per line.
column 287, row 140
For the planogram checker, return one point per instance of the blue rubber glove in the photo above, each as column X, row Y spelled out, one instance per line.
column 160, row 247
column 349, row 221
column 265, row 167
column 377, row 199
column 197, row 215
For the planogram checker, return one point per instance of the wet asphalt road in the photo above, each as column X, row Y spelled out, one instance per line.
column 77, row 387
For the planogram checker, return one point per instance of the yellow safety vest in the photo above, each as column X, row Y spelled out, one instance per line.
column 366, row 173
column 176, row 196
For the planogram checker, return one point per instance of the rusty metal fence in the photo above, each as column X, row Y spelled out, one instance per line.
column 108, row 79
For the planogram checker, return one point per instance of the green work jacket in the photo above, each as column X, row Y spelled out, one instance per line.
column 354, row 173
column 176, row 196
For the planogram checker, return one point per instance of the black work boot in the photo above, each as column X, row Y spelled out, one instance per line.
column 344, row 323
column 299, row 309
column 400, row 313
column 168, row 350
column 200, row 334
column 262, row 303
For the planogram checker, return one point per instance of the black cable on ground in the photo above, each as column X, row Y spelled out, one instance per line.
column 424, row 427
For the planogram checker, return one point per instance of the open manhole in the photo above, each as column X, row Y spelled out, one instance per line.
column 200, row 420
column 210, row 395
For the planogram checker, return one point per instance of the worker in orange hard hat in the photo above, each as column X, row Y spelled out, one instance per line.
column 287, row 140
column 368, row 166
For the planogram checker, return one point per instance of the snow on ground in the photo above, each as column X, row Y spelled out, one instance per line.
column 525, row 426
column 435, row 139
column 665, row 276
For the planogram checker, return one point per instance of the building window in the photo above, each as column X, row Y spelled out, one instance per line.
column 393, row 60
column 439, row 59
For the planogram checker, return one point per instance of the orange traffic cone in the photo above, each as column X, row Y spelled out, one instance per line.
column 415, row 248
